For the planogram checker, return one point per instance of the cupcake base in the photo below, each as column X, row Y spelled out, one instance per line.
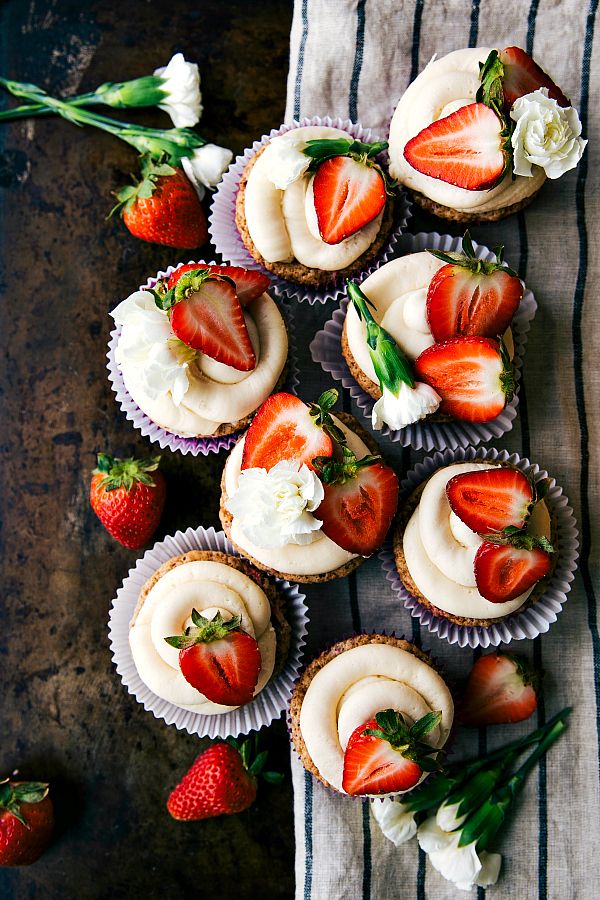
column 469, row 218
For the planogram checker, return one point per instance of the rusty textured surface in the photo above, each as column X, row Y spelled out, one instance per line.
column 64, row 715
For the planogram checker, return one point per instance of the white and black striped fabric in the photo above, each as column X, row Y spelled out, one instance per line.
column 354, row 58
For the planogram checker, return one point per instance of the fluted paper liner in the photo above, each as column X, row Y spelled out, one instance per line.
column 326, row 349
column 226, row 237
column 523, row 624
column 265, row 707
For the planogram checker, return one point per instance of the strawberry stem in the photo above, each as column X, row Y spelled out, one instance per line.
column 125, row 472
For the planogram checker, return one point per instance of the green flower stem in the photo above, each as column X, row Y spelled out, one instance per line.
column 28, row 110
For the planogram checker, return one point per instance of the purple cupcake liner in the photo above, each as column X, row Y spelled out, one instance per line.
column 263, row 709
column 521, row 625
column 226, row 237
column 326, row 349
column 158, row 435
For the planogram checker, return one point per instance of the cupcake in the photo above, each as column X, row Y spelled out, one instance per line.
column 208, row 633
column 476, row 542
column 369, row 716
column 477, row 133
column 201, row 349
column 305, row 495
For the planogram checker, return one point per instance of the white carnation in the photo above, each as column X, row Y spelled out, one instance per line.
column 287, row 162
column 181, row 81
column 205, row 167
column 463, row 866
column 409, row 406
column 396, row 821
column 546, row 135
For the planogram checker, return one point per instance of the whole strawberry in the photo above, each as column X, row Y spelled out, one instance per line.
column 128, row 496
column 222, row 781
column 26, row 822
column 163, row 208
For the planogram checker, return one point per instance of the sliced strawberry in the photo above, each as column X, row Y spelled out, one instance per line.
column 472, row 375
column 385, row 755
column 210, row 318
column 522, row 75
column 464, row 148
column 490, row 500
column 219, row 659
column 360, row 502
column 461, row 302
column 504, row 571
column 500, row 689
column 347, row 195
column 283, row 428
column 249, row 284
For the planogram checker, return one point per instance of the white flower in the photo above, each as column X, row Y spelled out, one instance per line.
column 409, row 406
column 287, row 163
column 447, row 817
column 147, row 343
column 461, row 865
column 206, row 166
column 546, row 135
column 275, row 508
column 396, row 821
column 181, row 81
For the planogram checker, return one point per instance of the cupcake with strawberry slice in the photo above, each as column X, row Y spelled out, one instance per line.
column 195, row 353
column 305, row 494
column 477, row 133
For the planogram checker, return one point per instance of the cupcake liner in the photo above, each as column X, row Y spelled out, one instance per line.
column 261, row 711
column 326, row 349
column 226, row 237
column 521, row 625
column 158, row 435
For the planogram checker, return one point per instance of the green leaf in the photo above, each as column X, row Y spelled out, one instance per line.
column 425, row 725
column 273, row 777
column 328, row 399
column 258, row 763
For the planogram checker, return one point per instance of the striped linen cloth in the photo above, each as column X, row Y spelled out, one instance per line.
column 354, row 58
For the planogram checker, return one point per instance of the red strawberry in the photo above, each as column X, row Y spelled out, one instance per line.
column 207, row 315
column 472, row 375
column 249, row 284
column 500, row 689
column 361, row 499
column 219, row 659
column 522, row 75
column 386, row 755
column 128, row 496
column 505, row 571
column 471, row 297
column 490, row 500
column 163, row 208
column 26, row 822
column 286, row 428
column 464, row 148
column 348, row 195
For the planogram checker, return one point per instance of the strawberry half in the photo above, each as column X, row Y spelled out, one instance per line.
column 490, row 500
column 219, row 659
column 505, row 571
column 385, row 754
column 471, row 297
column 522, row 75
column 249, row 284
column 500, row 689
column 465, row 148
column 472, row 375
column 287, row 428
column 360, row 502
column 347, row 195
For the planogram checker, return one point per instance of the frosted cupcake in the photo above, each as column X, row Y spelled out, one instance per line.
column 477, row 133
column 370, row 715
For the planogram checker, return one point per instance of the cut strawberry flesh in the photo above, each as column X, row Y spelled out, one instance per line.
column 212, row 320
column 460, row 302
column 347, row 196
column 469, row 375
column 284, row 429
column 522, row 75
column 497, row 692
column 464, row 148
column 249, row 284
column 490, row 500
column 372, row 766
column 504, row 572
column 225, row 671
column 357, row 515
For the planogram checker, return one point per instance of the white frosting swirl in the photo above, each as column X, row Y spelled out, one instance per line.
column 440, row 549
column 444, row 86
column 209, row 587
column 358, row 683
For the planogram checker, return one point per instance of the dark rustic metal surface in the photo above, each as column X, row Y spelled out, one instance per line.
column 65, row 716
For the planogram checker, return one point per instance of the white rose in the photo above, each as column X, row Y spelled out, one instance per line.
column 287, row 163
column 275, row 508
column 546, row 135
column 396, row 821
column 181, row 81
column 409, row 406
column 463, row 866
column 206, row 166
